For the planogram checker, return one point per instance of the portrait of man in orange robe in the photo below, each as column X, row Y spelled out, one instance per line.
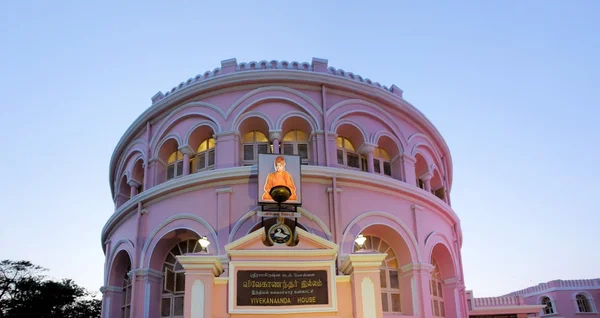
column 279, row 178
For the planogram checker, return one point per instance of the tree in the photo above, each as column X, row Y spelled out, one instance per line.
column 25, row 292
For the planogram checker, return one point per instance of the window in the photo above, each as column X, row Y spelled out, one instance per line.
column 295, row 142
column 254, row 143
column 126, row 306
column 548, row 303
column 583, row 304
column 346, row 155
column 205, row 156
column 171, row 304
column 175, row 165
column 381, row 162
column 388, row 273
column 436, row 293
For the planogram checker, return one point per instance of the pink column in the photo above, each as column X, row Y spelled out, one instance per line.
column 187, row 153
column 408, row 163
column 200, row 272
column 149, row 287
column 275, row 136
column 367, row 149
column 226, row 150
column 452, row 298
column 134, row 188
column 112, row 299
column 366, row 284
column 427, row 180
column 421, row 273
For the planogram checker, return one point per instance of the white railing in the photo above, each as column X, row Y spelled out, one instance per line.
column 496, row 301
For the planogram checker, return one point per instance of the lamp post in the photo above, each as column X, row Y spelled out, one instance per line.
column 360, row 241
column 204, row 243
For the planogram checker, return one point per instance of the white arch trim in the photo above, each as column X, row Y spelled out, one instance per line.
column 590, row 300
column 156, row 150
column 180, row 113
column 120, row 245
column 432, row 240
column 314, row 124
column 208, row 123
column 130, row 150
column 412, row 140
column 352, row 123
column 259, row 90
column 165, row 223
column 407, row 232
column 302, row 211
column 240, row 119
column 382, row 133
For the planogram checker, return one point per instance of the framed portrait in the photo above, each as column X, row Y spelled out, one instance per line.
column 279, row 170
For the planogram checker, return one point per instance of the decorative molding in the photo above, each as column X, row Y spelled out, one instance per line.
column 223, row 190
column 148, row 272
column 420, row 267
column 107, row 289
column 363, row 262
column 221, row 280
column 338, row 190
column 275, row 134
column 343, row 278
column 195, row 262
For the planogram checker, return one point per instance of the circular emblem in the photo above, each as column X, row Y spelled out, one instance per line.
column 280, row 234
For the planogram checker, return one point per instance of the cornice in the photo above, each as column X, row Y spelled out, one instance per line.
column 238, row 78
column 346, row 177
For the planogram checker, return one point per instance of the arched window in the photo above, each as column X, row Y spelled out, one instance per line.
column 549, row 309
column 126, row 306
column 174, row 280
column 346, row 154
column 175, row 165
column 381, row 162
column 435, row 291
column 295, row 142
column 583, row 303
column 205, row 156
column 254, row 143
column 388, row 273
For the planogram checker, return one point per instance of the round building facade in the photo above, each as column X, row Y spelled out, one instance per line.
column 372, row 230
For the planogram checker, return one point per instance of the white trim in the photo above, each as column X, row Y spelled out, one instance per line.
column 314, row 124
column 335, row 125
column 198, row 299
column 156, row 150
column 235, row 125
column 113, row 253
column 207, row 123
column 367, row 288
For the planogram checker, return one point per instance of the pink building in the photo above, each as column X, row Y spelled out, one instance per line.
column 372, row 167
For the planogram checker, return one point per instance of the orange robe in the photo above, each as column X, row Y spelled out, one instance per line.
column 278, row 178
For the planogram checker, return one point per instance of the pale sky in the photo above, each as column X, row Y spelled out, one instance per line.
column 511, row 85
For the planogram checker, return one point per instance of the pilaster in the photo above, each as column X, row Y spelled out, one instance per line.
column 421, row 275
column 368, row 149
column 408, row 163
column 200, row 273
column 275, row 137
column 223, row 215
column 363, row 269
column 227, row 149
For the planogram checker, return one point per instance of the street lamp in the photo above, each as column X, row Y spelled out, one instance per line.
column 204, row 243
column 360, row 241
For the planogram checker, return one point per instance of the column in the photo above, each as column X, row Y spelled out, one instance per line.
column 223, row 215
column 421, row 276
column 408, row 163
column 426, row 177
column 452, row 299
column 275, row 137
column 134, row 187
column 156, row 173
column 112, row 298
column 200, row 273
column 363, row 269
column 187, row 153
column 149, row 287
column 367, row 149
column 397, row 167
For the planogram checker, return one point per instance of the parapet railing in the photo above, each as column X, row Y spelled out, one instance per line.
column 573, row 283
column 497, row 301
column 231, row 66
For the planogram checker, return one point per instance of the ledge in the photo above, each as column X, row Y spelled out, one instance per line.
column 345, row 177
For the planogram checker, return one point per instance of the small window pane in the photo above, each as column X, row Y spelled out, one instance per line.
column 440, row 290
column 382, row 277
column 178, row 306
column 363, row 162
column 301, row 136
column 170, row 172
column 203, row 146
column 442, row 309
column 170, row 259
column 394, row 283
column 248, row 137
column 179, row 282
column 263, row 148
column 179, row 168
column 288, row 149
column 165, row 307
column 384, row 302
column 289, row 136
column 303, row 151
column 339, row 142
column 376, row 165
column 340, row 156
column 248, row 152
column 211, row 158
column 169, row 280
column 353, row 160
column 436, row 308
column 211, row 143
column 396, row 303
column 201, row 161
column 260, row 137
column 387, row 168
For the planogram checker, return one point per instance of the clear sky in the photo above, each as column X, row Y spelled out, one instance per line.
column 511, row 85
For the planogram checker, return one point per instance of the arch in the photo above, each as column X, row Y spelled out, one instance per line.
column 132, row 149
column 314, row 125
column 445, row 259
column 431, row 242
column 259, row 90
column 414, row 141
column 156, row 151
column 387, row 115
column 379, row 218
column 122, row 245
column 273, row 98
column 383, row 133
column 137, row 170
column 355, row 142
column 121, row 261
column 432, row 157
column 589, row 299
column 302, row 211
column 166, row 227
column 541, row 301
column 240, row 119
column 208, row 123
column 180, row 112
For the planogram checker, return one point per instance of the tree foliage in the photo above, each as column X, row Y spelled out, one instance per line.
column 26, row 292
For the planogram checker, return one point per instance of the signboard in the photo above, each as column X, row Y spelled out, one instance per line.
column 279, row 170
column 282, row 288
column 276, row 214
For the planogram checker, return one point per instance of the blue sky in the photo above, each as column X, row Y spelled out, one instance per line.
column 511, row 85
